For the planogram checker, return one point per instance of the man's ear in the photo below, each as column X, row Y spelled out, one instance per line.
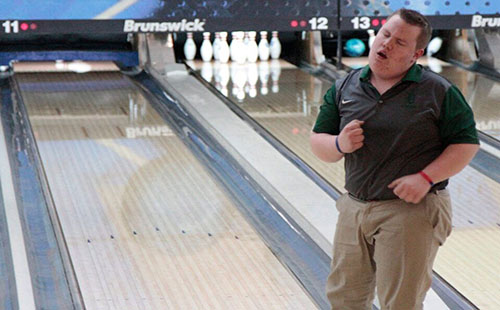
column 418, row 53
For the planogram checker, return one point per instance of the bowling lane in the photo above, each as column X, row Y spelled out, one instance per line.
column 282, row 98
column 285, row 100
column 146, row 225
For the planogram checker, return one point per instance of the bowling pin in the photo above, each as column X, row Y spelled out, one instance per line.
column 216, row 46
column 170, row 41
column 60, row 65
column 232, row 52
column 206, row 49
column 275, row 46
column 237, row 48
column 371, row 33
column 263, row 46
column 189, row 47
column 242, row 50
column 434, row 46
column 223, row 48
column 252, row 48
column 246, row 38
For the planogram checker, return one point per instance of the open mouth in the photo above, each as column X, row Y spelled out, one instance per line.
column 382, row 54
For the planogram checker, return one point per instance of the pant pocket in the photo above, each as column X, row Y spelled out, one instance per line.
column 439, row 212
column 340, row 200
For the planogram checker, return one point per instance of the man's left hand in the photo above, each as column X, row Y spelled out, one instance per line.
column 411, row 188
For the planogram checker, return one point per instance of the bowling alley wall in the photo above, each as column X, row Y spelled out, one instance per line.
column 355, row 18
column 94, row 16
column 291, row 19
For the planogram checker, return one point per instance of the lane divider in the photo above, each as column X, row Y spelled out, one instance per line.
column 24, row 288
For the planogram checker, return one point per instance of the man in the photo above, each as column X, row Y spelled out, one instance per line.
column 403, row 131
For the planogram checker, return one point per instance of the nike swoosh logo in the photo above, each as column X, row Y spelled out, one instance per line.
column 347, row 101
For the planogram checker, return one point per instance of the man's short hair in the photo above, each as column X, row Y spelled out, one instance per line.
column 416, row 19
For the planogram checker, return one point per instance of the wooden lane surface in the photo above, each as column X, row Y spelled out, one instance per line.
column 289, row 115
column 287, row 112
column 146, row 225
column 469, row 258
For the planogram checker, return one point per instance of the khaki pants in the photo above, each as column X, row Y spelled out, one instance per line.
column 389, row 244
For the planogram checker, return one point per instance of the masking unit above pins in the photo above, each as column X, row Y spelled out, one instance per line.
column 103, row 16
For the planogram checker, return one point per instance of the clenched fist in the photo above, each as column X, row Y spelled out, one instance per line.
column 411, row 188
column 351, row 137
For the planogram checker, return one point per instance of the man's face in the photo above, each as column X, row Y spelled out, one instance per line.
column 394, row 49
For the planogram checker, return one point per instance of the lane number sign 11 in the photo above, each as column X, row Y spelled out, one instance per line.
column 11, row 26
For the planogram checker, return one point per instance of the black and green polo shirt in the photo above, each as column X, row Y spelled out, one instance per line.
column 405, row 129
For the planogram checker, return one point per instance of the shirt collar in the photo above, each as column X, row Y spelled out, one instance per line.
column 414, row 74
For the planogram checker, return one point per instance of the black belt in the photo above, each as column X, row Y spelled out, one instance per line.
column 433, row 190
column 362, row 200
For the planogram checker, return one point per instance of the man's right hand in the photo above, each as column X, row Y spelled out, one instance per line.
column 351, row 137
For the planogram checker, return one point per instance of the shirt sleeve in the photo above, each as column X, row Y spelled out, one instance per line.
column 328, row 120
column 456, row 120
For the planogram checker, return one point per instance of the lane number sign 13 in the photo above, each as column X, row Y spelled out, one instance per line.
column 360, row 22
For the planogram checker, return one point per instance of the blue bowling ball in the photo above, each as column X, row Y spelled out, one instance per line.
column 354, row 47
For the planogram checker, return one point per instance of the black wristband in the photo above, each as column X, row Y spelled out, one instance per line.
column 337, row 145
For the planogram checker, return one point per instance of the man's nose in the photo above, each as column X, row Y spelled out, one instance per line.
column 388, row 44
